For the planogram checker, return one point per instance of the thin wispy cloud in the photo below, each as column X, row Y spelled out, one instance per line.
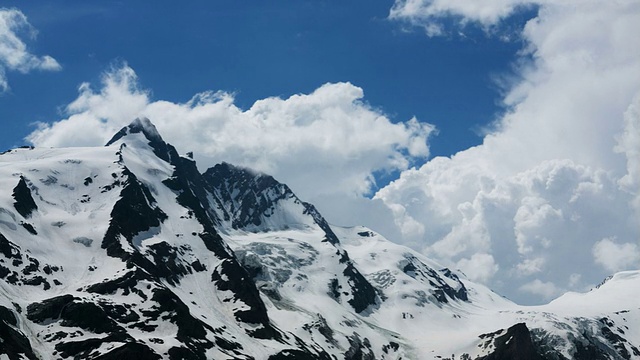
column 14, row 54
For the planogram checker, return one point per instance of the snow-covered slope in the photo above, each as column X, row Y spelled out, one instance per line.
column 128, row 252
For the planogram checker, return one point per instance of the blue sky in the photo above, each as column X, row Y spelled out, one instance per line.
column 257, row 50
column 501, row 138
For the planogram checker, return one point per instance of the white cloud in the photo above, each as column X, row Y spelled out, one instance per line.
column 14, row 54
column 536, row 265
column 430, row 14
column 560, row 171
column 615, row 257
column 325, row 143
column 480, row 267
column 539, row 288
column 629, row 145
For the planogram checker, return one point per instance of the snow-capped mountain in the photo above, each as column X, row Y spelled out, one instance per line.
column 128, row 252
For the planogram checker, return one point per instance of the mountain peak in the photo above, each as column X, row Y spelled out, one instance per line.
column 144, row 126
column 138, row 125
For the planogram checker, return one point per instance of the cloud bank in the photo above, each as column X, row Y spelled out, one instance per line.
column 14, row 55
column 326, row 143
column 550, row 201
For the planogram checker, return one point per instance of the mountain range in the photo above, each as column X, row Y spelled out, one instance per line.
column 128, row 251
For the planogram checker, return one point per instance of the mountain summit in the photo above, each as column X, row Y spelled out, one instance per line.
column 142, row 126
column 127, row 251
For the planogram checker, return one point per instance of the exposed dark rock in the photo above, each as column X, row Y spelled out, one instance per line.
column 229, row 275
column 82, row 349
column 516, row 343
column 133, row 213
column 24, row 202
column 36, row 281
column 167, row 262
column 295, row 354
column 92, row 317
column 391, row 347
column 192, row 332
column 189, row 187
column 13, row 343
column 4, row 271
column 182, row 353
column 127, row 283
column 330, row 236
column 334, row 289
column 441, row 290
column 198, row 266
column 73, row 312
column 48, row 269
column 120, row 313
column 11, row 276
column 130, row 351
column 366, row 234
column 359, row 349
column 615, row 339
column 9, row 249
column 7, row 316
column 364, row 294
column 323, row 328
column 248, row 196
column 48, row 309
column 216, row 245
column 34, row 265
column 29, row 228
column 226, row 344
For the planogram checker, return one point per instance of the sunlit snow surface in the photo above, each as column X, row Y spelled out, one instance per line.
column 421, row 310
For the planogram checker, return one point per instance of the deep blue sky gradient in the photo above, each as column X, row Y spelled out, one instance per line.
column 259, row 49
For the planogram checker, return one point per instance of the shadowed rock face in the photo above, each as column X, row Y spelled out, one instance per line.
column 136, row 212
column 14, row 344
column 516, row 343
column 246, row 198
column 24, row 204
column 440, row 289
column 520, row 343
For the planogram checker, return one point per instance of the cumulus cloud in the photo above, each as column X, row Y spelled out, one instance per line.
column 480, row 267
column 14, row 54
column 615, row 257
column 559, row 172
column 324, row 143
column 546, row 290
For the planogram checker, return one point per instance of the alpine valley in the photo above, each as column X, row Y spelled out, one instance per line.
column 128, row 251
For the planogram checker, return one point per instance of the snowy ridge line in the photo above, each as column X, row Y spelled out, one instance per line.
column 129, row 251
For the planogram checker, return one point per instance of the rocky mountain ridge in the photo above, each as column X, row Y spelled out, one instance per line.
column 128, row 251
